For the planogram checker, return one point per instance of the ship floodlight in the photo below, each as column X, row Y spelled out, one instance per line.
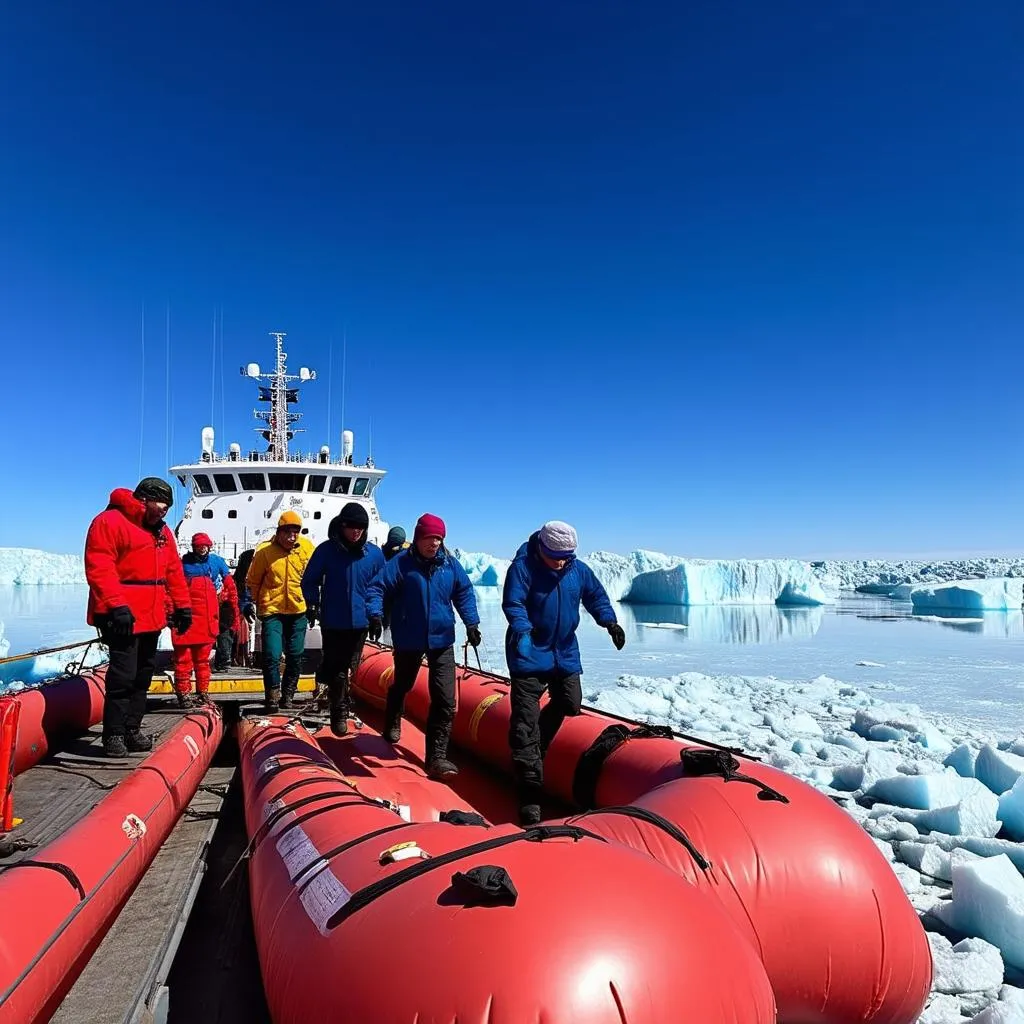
column 306, row 374
column 252, row 370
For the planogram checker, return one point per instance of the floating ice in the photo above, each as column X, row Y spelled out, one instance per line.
column 962, row 761
column 998, row 769
column 990, row 595
column 1011, row 810
column 972, row 965
column 972, row 814
column 745, row 581
column 922, row 792
column 988, row 903
column 483, row 570
column 1008, row 1010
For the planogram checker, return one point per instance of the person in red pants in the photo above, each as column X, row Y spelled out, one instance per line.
column 205, row 573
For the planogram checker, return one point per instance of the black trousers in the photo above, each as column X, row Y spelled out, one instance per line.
column 223, row 647
column 342, row 652
column 441, row 686
column 132, row 662
column 531, row 730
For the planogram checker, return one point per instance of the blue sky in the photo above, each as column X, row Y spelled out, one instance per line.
column 717, row 279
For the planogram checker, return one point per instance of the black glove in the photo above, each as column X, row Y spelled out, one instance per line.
column 376, row 627
column 311, row 613
column 182, row 619
column 249, row 611
column 473, row 635
column 120, row 621
column 618, row 635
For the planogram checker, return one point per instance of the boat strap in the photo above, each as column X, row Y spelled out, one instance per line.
column 347, row 845
column 669, row 827
column 697, row 762
column 588, row 768
column 61, row 869
column 264, row 830
column 365, row 896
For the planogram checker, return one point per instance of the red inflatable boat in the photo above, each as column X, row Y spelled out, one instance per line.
column 464, row 920
column 54, row 711
column 58, row 903
column 794, row 873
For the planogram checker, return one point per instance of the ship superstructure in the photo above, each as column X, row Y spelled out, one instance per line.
column 237, row 496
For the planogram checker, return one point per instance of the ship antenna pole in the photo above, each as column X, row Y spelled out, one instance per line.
column 330, row 384
column 142, row 390
column 344, row 367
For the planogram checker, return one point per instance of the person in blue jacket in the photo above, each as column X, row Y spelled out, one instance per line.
column 425, row 585
column 541, row 600
column 335, row 585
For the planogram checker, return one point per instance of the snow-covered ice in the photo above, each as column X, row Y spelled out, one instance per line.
column 30, row 567
column 990, row 595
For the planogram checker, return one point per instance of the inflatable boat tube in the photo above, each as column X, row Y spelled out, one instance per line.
column 56, row 711
column 61, row 901
column 470, row 922
column 839, row 939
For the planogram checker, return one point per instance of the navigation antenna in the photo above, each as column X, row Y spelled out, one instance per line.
column 280, row 396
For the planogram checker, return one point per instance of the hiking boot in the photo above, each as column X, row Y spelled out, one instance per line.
column 272, row 702
column 114, row 746
column 204, row 699
column 441, row 768
column 393, row 731
column 287, row 700
column 138, row 743
column 339, row 722
column 529, row 814
column 186, row 701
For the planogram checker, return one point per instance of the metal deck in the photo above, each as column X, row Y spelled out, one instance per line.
column 125, row 981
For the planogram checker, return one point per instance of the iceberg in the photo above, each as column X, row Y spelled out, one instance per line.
column 29, row 567
column 483, row 570
column 992, row 595
column 617, row 572
column 743, row 581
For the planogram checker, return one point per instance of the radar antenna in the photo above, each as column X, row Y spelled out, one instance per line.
column 278, row 419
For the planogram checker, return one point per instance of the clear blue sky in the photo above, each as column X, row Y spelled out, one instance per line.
column 715, row 279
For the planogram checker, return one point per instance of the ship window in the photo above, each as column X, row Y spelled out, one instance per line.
column 339, row 484
column 253, row 481
column 225, row 482
column 232, row 513
column 287, row 481
column 317, row 483
column 360, row 487
column 317, row 515
column 203, row 485
column 207, row 513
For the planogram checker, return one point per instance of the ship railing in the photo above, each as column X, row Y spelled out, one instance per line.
column 293, row 458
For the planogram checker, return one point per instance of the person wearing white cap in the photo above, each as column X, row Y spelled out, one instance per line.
column 544, row 588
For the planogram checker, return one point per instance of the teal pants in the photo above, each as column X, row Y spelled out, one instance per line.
column 283, row 633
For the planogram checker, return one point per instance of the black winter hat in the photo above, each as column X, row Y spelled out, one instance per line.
column 152, row 488
column 396, row 537
column 354, row 514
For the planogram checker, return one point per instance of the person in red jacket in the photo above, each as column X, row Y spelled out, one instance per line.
column 205, row 574
column 132, row 568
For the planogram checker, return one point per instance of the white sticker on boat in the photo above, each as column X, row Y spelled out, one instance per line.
column 323, row 897
column 193, row 747
column 269, row 765
column 405, row 812
column 133, row 826
column 297, row 851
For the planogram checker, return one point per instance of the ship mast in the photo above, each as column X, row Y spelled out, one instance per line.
column 279, row 418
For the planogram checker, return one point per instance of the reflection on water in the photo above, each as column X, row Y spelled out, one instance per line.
column 1004, row 624
column 730, row 624
column 44, row 616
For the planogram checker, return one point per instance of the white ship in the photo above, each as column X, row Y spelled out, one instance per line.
column 237, row 497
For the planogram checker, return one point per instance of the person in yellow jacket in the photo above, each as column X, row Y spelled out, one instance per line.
column 274, row 581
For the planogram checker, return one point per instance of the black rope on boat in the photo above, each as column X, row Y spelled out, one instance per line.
column 698, row 763
column 669, row 827
column 591, row 762
column 382, row 886
column 82, row 775
column 61, row 869
column 324, row 857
